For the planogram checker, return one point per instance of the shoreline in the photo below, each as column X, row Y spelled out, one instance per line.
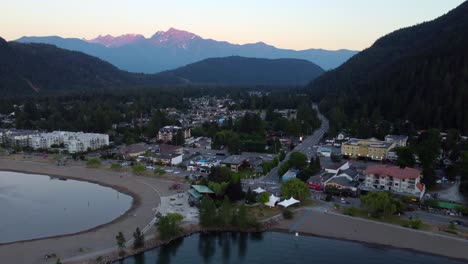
column 99, row 240
column 136, row 201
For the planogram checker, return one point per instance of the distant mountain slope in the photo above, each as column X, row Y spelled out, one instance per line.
column 167, row 50
column 28, row 67
column 249, row 71
column 418, row 73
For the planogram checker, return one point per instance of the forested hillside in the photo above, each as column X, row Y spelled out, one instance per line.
column 418, row 74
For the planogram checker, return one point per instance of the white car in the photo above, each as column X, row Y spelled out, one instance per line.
column 149, row 167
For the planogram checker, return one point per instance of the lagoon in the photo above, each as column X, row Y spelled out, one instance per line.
column 38, row 206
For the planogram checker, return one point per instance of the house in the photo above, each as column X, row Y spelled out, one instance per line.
column 196, row 193
column 342, row 136
column 346, row 179
column 399, row 140
column 371, row 148
column 235, row 162
column 168, row 132
column 317, row 182
column 406, row 181
column 133, row 150
column 335, row 167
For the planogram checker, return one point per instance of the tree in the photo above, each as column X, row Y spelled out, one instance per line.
column 169, row 226
column 295, row 188
column 179, row 138
column 428, row 151
column 282, row 156
column 234, row 190
column 207, row 212
column 249, row 196
column 379, row 204
column 335, row 158
column 298, row 160
column 138, row 239
column 225, row 213
column 405, row 157
column 263, row 198
column 138, row 169
column 305, row 174
column 120, row 238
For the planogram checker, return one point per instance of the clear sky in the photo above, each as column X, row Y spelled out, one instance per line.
column 295, row 24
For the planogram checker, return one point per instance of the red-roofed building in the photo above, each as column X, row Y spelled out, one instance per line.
column 394, row 179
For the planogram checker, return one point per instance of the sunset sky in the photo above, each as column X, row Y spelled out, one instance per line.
column 294, row 24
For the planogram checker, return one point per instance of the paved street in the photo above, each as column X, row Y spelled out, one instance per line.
column 305, row 147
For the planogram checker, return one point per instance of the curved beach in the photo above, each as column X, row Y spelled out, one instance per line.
column 99, row 240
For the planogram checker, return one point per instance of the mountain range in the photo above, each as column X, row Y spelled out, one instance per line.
column 167, row 50
column 28, row 67
column 419, row 73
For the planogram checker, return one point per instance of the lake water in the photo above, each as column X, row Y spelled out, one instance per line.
column 37, row 206
column 273, row 247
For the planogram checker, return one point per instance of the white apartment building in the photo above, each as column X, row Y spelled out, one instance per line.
column 74, row 142
column 406, row 181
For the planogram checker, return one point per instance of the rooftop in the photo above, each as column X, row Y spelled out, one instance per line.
column 202, row 189
column 235, row 159
column 393, row 171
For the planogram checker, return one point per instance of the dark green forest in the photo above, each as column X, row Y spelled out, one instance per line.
column 239, row 70
column 417, row 74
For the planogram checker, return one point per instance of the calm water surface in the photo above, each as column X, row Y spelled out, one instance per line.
column 35, row 206
column 273, row 247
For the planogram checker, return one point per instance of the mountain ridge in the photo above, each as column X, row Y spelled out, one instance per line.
column 167, row 50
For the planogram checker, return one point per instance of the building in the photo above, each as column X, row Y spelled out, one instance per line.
column 406, row 181
column 290, row 174
column 16, row 137
column 335, row 167
column 371, row 148
column 196, row 193
column 347, row 179
column 133, row 150
column 235, row 162
column 167, row 159
column 167, row 133
column 399, row 140
column 324, row 151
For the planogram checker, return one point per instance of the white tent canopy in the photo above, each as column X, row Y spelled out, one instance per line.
column 259, row 190
column 288, row 202
column 272, row 201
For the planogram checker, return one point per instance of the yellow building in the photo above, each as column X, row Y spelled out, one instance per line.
column 367, row 148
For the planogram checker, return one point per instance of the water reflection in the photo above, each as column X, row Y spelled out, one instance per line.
column 167, row 252
column 273, row 247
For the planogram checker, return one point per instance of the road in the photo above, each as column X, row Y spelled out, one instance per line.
column 304, row 147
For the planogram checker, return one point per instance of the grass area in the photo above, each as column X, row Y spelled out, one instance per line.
column 394, row 220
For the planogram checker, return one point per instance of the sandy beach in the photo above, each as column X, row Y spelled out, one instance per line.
column 328, row 224
column 146, row 192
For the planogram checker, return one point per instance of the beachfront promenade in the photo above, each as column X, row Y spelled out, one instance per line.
column 321, row 222
column 100, row 239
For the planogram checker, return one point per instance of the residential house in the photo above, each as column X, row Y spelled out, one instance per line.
column 235, row 162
